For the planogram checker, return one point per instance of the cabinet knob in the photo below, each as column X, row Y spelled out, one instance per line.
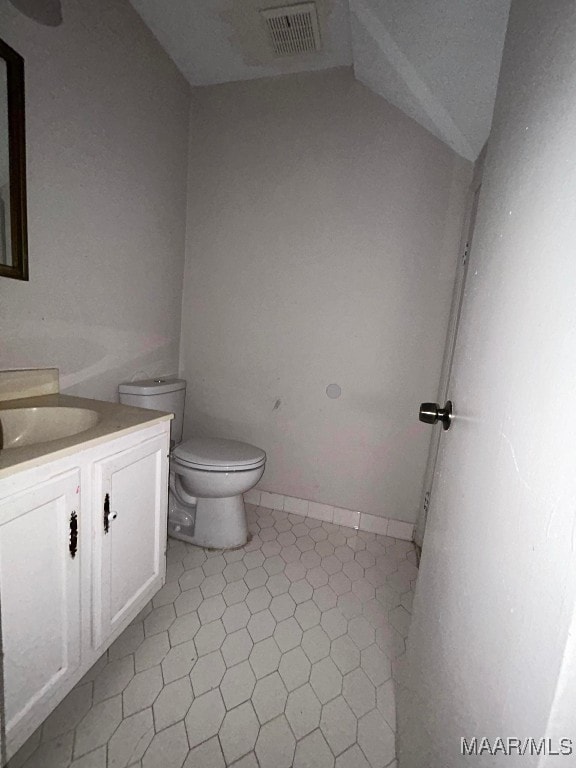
column 73, row 541
column 106, row 513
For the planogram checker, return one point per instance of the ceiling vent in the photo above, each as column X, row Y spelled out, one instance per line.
column 293, row 29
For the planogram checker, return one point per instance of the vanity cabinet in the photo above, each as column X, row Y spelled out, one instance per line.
column 40, row 596
column 129, row 534
column 82, row 550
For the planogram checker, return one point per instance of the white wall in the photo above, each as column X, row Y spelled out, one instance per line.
column 322, row 238
column 106, row 135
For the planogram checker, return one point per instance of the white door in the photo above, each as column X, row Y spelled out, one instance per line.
column 451, row 336
column 490, row 650
column 129, row 533
column 40, row 598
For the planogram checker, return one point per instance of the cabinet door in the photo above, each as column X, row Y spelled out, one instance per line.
column 40, row 599
column 130, row 533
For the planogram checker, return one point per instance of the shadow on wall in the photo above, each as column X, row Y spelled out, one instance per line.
column 46, row 12
column 281, row 446
column 92, row 360
column 305, row 478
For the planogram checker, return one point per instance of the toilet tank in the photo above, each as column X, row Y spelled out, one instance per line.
column 160, row 395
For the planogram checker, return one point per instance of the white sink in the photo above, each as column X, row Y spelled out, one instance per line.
column 20, row 427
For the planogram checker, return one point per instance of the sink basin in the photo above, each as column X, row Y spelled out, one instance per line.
column 20, row 427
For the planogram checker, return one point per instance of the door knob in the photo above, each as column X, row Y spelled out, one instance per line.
column 431, row 413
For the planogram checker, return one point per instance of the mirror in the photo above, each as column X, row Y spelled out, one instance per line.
column 13, row 235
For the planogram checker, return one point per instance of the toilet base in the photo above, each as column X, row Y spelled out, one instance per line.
column 211, row 523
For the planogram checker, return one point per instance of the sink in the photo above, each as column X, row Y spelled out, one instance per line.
column 20, row 427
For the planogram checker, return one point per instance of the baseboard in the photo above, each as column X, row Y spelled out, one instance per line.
column 359, row 520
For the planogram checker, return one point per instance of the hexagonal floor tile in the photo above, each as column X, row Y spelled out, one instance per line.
column 235, row 592
column 294, row 668
column 168, row 748
column 234, row 571
column 265, row 657
column 98, row 725
column 275, row 745
column 211, row 609
column 307, row 614
column 325, row 597
column 334, row 623
column 159, row 620
column 69, row 712
column 278, row 584
column 236, row 647
column 261, row 625
column 269, row 697
column 353, row 758
column 204, row 717
column 313, row 751
column 361, row 632
column 326, row 680
column 235, row 617
column 376, row 664
column 128, row 642
column 338, row 724
column 208, row 754
column 184, row 628
column 400, row 620
column 209, row 637
column 173, row 703
column 213, row 585
column 239, row 732
column 288, row 640
column 282, row 606
column 237, row 684
column 214, row 565
column 188, row 601
column 207, row 672
column 142, row 690
column 256, row 577
column 288, row 634
column 190, row 579
column 151, row 652
column 303, row 710
column 359, row 692
column 300, row 591
column 178, row 661
column 376, row 738
column 345, row 654
column 317, row 577
column 258, row 599
column 130, row 741
column 315, row 643
column 253, row 559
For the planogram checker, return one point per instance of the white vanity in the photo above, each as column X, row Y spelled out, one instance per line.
column 82, row 541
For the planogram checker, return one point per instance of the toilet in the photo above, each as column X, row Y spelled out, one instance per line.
column 208, row 475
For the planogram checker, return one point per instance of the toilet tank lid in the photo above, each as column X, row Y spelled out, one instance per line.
column 158, row 386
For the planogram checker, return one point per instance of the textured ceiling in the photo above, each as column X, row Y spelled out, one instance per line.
column 437, row 60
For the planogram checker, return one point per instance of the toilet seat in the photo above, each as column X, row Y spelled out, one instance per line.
column 213, row 454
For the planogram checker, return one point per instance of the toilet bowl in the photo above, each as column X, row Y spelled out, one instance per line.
column 207, row 479
column 207, row 475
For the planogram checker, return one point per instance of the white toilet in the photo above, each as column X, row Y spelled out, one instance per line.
column 207, row 475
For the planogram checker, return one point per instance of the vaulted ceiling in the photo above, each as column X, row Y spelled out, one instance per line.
column 437, row 60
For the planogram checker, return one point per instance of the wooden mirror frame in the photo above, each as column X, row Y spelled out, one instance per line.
column 18, row 269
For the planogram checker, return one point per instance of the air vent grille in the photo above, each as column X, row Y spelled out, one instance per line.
column 293, row 29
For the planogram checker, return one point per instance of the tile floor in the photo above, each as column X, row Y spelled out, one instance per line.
column 282, row 653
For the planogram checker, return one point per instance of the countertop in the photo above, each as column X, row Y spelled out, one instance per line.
column 115, row 421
